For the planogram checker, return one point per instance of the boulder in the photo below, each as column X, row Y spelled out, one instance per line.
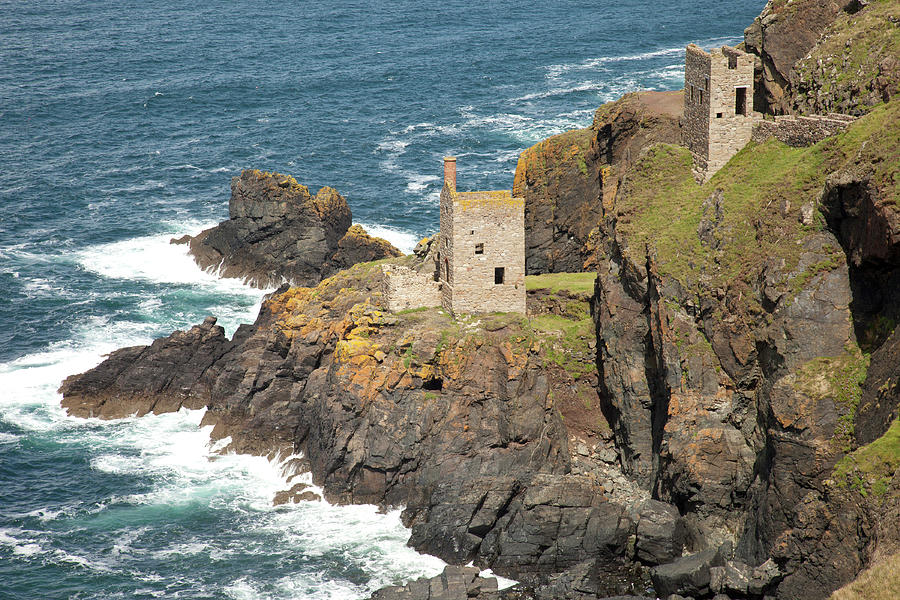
column 688, row 575
column 658, row 535
column 455, row 583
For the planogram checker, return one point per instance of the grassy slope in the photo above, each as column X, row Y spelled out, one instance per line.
column 879, row 582
column 554, row 282
column 852, row 54
column 763, row 188
column 870, row 468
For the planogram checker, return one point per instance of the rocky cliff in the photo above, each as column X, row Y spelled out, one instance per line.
column 825, row 56
column 716, row 415
column 565, row 179
column 487, row 429
column 278, row 232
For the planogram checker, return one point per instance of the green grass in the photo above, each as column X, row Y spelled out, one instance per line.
column 554, row 282
column 869, row 469
column 763, row 188
column 839, row 378
column 568, row 345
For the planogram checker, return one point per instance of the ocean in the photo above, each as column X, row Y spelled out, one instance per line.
column 121, row 124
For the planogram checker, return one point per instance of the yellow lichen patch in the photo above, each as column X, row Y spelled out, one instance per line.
column 492, row 199
column 292, row 323
column 515, row 361
column 345, row 350
column 280, row 179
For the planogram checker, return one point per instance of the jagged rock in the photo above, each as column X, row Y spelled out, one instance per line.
column 762, row 577
column 170, row 373
column 819, row 57
column 358, row 246
column 733, row 577
column 591, row 580
column 278, row 232
column 453, row 423
column 455, row 583
column 780, row 37
column 295, row 494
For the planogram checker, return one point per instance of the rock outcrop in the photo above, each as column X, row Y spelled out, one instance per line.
column 732, row 363
column 818, row 57
column 278, row 232
column 455, row 583
column 718, row 419
column 565, row 178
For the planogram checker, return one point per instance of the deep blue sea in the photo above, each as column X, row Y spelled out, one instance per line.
column 121, row 124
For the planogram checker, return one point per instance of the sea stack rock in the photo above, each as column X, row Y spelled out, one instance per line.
column 278, row 232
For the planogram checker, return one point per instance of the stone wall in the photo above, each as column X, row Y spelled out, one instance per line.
column 716, row 124
column 801, row 131
column 695, row 130
column 404, row 288
column 480, row 233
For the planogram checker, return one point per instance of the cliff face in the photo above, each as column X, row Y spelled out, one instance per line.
column 278, row 231
column 722, row 408
column 818, row 57
column 741, row 341
column 487, row 429
column 566, row 178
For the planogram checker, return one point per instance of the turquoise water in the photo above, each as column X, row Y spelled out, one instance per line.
column 122, row 124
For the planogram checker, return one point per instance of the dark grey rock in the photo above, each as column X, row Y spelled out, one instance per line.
column 688, row 575
column 658, row 534
column 455, row 583
column 278, row 232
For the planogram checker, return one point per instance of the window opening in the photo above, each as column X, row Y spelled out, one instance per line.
column 718, row 115
column 740, row 101
column 479, row 248
column 732, row 62
column 499, row 275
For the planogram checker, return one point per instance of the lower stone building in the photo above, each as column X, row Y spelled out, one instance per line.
column 481, row 256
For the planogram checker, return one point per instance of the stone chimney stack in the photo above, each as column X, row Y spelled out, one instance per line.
column 450, row 171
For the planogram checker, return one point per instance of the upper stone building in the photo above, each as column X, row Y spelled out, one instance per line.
column 718, row 105
column 481, row 258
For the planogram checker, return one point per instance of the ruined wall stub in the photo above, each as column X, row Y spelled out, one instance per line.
column 482, row 251
column 718, row 105
column 404, row 289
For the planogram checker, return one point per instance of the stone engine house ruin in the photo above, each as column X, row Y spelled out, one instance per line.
column 718, row 105
column 718, row 118
column 481, row 257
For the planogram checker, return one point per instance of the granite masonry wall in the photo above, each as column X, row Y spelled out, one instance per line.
column 801, row 131
column 718, row 105
column 404, row 288
column 695, row 118
column 482, row 252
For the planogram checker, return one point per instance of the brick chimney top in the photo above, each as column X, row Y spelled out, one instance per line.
column 450, row 171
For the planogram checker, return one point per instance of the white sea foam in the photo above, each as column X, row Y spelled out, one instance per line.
column 151, row 258
column 394, row 145
column 585, row 86
column 405, row 241
column 8, row 438
column 27, row 549
column 417, row 183
column 46, row 514
column 502, row 582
